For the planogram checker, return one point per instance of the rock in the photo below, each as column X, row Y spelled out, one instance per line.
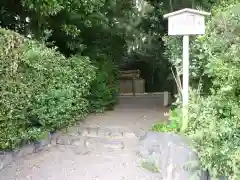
column 129, row 135
column 54, row 137
column 64, row 140
column 89, row 131
column 150, row 142
column 97, row 143
column 28, row 149
column 78, row 141
column 104, row 133
column 25, row 150
column 6, row 158
column 73, row 130
column 171, row 152
column 114, row 144
column 42, row 144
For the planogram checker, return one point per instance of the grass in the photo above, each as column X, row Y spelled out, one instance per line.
column 150, row 166
column 173, row 126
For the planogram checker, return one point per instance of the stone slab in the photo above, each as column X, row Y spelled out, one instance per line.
column 25, row 150
column 5, row 159
column 97, row 143
column 172, row 153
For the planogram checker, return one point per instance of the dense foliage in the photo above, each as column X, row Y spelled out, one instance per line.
column 74, row 26
column 104, row 89
column 41, row 90
column 68, row 70
column 214, row 117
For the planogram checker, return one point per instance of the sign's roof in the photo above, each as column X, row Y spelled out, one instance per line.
column 194, row 11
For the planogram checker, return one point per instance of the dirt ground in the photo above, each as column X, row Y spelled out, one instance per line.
column 105, row 148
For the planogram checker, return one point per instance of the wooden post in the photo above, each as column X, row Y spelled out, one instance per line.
column 133, row 86
column 165, row 98
column 186, row 22
column 185, row 81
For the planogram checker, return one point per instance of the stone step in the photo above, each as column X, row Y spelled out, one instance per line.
column 88, row 142
column 106, row 132
column 104, row 144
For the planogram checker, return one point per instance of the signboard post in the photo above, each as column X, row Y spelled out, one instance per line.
column 184, row 23
column 185, row 79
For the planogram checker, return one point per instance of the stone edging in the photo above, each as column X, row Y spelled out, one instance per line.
column 65, row 136
column 8, row 157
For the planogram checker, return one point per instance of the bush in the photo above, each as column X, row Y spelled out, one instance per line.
column 214, row 119
column 214, row 127
column 173, row 126
column 41, row 90
column 104, row 89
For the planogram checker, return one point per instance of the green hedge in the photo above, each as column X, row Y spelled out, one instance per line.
column 104, row 89
column 40, row 89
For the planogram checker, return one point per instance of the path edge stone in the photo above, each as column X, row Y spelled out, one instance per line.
column 8, row 157
column 161, row 144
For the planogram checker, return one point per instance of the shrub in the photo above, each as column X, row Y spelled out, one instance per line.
column 214, row 127
column 214, row 119
column 104, row 89
column 41, row 90
column 173, row 126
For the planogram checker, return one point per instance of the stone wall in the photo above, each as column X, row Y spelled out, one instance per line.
column 126, row 86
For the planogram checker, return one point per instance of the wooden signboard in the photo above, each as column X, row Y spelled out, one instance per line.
column 186, row 22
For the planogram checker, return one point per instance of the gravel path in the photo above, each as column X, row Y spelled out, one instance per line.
column 105, row 147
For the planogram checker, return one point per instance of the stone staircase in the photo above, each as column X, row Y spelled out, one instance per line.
column 113, row 144
column 102, row 147
column 85, row 139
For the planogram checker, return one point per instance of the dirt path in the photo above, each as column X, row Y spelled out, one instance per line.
column 103, row 147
